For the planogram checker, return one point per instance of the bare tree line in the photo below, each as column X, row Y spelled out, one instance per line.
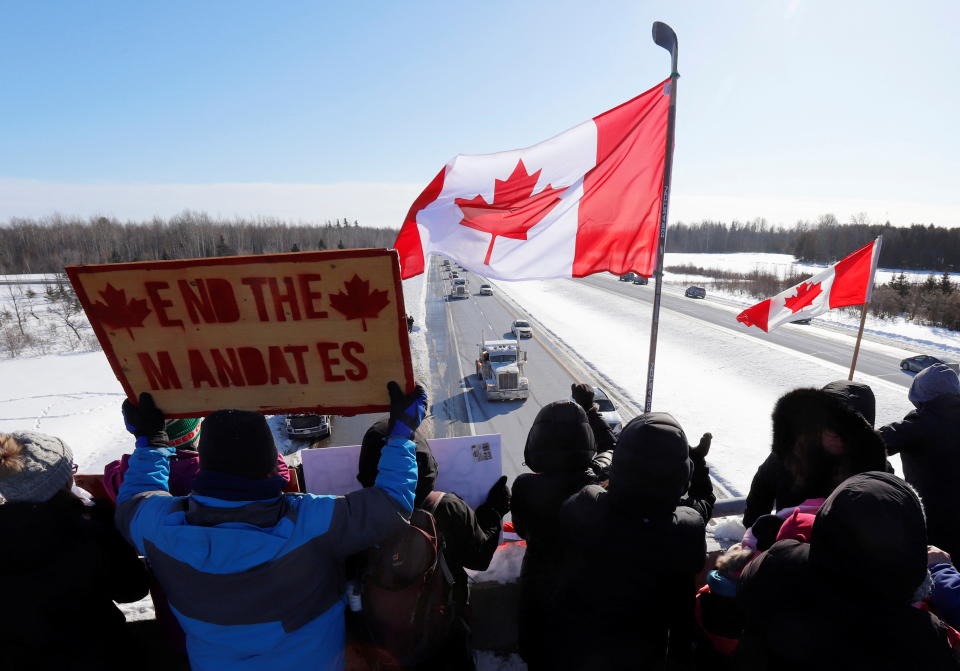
column 46, row 245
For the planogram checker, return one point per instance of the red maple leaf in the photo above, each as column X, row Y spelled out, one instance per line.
column 359, row 302
column 805, row 295
column 116, row 312
column 514, row 208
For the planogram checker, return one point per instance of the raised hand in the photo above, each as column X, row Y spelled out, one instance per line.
column 702, row 448
column 406, row 410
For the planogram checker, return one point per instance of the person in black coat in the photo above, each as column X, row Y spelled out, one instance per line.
column 928, row 441
column 843, row 601
column 63, row 566
column 469, row 537
column 646, row 536
column 820, row 437
column 561, row 452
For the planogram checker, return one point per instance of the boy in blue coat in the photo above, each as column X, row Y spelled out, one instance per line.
column 255, row 576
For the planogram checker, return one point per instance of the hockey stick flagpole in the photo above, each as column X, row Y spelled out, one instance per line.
column 663, row 36
column 865, row 306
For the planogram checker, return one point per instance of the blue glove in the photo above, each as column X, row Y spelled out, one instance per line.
column 406, row 410
column 145, row 420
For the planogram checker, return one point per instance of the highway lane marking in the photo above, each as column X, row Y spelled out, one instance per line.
column 864, row 377
column 456, row 347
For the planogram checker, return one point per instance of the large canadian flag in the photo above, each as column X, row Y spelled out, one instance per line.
column 847, row 282
column 582, row 202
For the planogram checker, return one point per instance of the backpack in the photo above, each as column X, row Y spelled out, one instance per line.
column 407, row 590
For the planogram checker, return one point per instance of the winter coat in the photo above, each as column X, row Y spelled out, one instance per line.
column 184, row 466
column 945, row 598
column 646, row 534
column 799, row 417
column 928, row 441
column 63, row 565
column 843, row 601
column 561, row 451
column 258, row 584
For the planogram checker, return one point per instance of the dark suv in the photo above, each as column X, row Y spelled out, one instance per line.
column 695, row 292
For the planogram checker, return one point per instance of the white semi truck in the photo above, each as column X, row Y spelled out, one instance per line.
column 458, row 288
column 500, row 369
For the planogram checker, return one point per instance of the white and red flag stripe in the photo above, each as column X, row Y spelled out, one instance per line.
column 582, row 202
column 847, row 282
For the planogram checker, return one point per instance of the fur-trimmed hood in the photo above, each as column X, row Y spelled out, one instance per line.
column 801, row 418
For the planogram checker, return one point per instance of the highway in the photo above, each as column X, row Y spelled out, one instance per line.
column 807, row 339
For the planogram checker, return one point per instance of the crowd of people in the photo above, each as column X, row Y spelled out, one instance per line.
column 843, row 565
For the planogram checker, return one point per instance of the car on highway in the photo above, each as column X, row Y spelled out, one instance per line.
column 695, row 292
column 454, row 275
column 608, row 411
column 486, row 290
column 628, row 277
column 640, row 279
column 307, row 426
column 521, row 328
column 805, row 320
column 917, row 363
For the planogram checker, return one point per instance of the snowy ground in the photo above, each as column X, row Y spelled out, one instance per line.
column 729, row 389
column 926, row 339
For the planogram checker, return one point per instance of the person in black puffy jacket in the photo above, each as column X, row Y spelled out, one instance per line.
column 799, row 467
column 561, row 452
column 843, row 600
column 632, row 553
column 63, row 565
column 928, row 441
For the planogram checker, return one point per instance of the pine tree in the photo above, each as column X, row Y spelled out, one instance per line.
column 900, row 284
column 340, row 245
column 946, row 286
column 930, row 284
column 223, row 249
column 114, row 257
column 321, row 244
column 295, row 248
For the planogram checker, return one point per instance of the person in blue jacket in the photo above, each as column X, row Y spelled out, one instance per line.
column 255, row 576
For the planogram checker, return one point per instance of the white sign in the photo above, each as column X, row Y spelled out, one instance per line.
column 468, row 467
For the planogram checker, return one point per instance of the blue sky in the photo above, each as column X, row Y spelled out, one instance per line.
column 307, row 110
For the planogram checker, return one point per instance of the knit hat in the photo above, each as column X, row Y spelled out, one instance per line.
column 33, row 466
column 183, row 434
column 933, row 381
column 238, row 442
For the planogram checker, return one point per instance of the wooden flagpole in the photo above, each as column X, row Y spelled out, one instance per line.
column 663, row 36
column 863, row 308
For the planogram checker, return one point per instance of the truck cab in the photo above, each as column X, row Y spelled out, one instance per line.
column 500, row 369
column 458, row 288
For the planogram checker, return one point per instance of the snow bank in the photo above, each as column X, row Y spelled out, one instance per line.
column 710, row 378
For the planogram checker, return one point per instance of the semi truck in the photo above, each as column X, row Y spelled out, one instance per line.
column 458, row 288
column 500, row 369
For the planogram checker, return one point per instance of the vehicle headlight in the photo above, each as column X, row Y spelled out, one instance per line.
column 523, row 383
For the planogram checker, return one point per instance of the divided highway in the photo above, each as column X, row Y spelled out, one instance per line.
column 801, row 338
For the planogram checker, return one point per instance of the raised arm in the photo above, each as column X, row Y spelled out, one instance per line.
column 149, row 468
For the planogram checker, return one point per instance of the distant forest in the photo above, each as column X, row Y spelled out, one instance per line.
column 916, row 247
column 46, row 245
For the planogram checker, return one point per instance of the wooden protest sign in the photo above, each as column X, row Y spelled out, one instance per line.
column 301, row 332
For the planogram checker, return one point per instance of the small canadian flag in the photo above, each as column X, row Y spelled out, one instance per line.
column 847, row 282
column 584, row 201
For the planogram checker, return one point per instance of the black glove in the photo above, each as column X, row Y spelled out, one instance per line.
column 702, row 448
column 406, row 410
column 582, row 395
column 145, row 420
column 498, row 497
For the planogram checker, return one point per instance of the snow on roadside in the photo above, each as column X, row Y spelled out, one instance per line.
column 708, row 377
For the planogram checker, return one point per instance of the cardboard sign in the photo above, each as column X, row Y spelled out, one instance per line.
column 302, row 332
column 468, row 467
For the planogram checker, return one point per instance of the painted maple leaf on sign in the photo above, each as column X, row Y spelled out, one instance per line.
column 116, row 312
column 514, row 210
column 359, row 302
column 805, row 295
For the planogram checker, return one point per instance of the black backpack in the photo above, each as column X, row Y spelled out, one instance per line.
column 407, row 590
